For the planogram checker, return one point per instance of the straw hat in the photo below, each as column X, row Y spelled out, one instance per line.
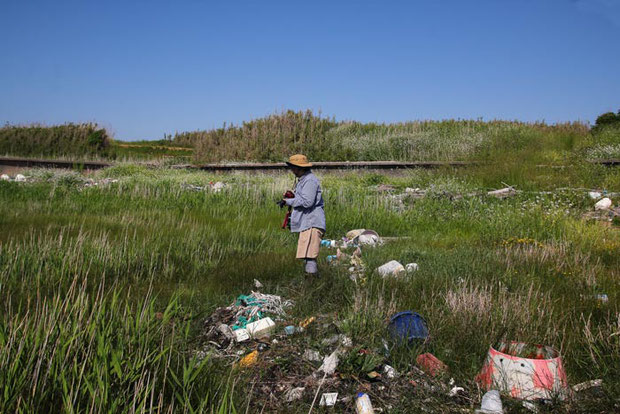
column 299, row 160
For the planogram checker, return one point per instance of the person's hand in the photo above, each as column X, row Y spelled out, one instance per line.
column 281, row 203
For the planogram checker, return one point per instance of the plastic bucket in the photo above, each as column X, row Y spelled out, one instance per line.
column 407, row 326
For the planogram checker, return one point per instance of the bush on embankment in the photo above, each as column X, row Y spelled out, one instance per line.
column 74, row 140
column 276, row 136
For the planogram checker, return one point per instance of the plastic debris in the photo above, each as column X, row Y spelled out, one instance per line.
column 594, row 195
column 241, row 335
column 363, row 404
column 217, row 187
column 602, row 297
column 526, row 371
column 261, row 328
column 491, row 403
column 294, row 394
column 431, row 364
column 304, row 324
column 4, row 177
column 258, row 284
column 330, row 363
column 407, row 326
column 290, row 329
column 389, row 372
column 20, row 178
column 530, row 406
column 249, row 360
column 587, row 385
column 411, row 267
column 226, row 331
column 503, row 192
column 391, row 268
column 312, row 355
column 329, row 399
column 455, row 391
column 603, row 204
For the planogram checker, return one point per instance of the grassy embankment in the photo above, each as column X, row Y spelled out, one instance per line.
column 105, row 287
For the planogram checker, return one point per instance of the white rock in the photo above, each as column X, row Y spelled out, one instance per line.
column 491, row 403
column 20, row 178
column 603, row 204
column 594, row 195
column 411, row 267
column 330, row 363
column 4, row 177
column 391, row 268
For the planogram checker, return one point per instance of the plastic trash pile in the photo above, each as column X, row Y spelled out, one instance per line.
column 18, row 178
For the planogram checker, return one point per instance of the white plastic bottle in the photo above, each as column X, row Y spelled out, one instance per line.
column 363, row 405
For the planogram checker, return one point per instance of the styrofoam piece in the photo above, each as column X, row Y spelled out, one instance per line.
column 491, row 403
column 603, row 204
column 526, row 372
column 261, row 328
column 20, row 177
column 411, row 267
column 594, row 195
column 241, row 335
column 391, row 268
column 329, row 399
column 4, row 177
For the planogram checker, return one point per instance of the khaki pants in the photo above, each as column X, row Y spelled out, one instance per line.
column 309, row 243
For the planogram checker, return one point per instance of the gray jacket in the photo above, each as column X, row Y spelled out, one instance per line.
column 307, row 205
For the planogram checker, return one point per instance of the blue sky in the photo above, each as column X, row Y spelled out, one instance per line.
column 145, row 68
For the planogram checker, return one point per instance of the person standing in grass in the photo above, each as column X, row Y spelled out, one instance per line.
column 308, row 215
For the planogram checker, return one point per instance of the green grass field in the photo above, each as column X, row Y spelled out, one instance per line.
column 105, row 288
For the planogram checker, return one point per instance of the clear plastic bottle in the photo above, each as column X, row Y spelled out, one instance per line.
column 363, row 404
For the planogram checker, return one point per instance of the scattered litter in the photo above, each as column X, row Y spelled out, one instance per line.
column 587, row 385
column 389, row 372
column 330, row 363
column 407, row 326
column 4, row 177
column 328, row 243
column 594, row 195
column 312, row 355
column 411, row 267
column 431, row 364
column 294, row 394
column 226, row 331
column 603, row 204
column 261, row 328
column 249, row 360
column 391, row 268
column 602, row 297
column 363, row 404
column 241, row 335
column 217, row 187
column 290, row 329
column 329, row 399
column 20, row 178
column 491, row 403
column 258, row 284
column 525, row 371
column 456, row 391
column 373, row 375
column 530, row 406
column 503, row 192
column 331, row 258
column 304, row 324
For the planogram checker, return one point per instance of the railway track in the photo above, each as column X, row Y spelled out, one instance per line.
column 327, row 165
